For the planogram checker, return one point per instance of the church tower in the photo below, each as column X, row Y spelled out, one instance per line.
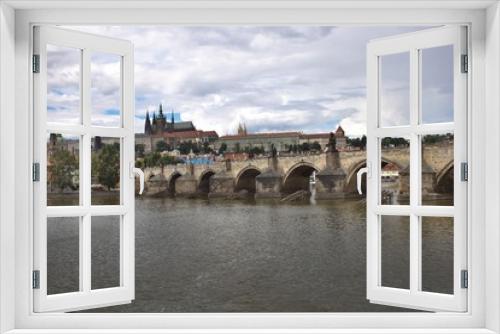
column 153, row 124
column 147, row 125
column 161, row 120
column 171, row 125
column 242, row 129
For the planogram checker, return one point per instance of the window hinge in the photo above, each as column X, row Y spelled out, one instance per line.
column 36, row 172
column 464, row 171
column 36, row 279
column 465, row 64
column 464, row 279
column 36, row 63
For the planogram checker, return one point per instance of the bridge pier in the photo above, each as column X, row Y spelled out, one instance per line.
column 428, row 180
column 155, row 185
column 221, row 185
column 330, row 182
column 268, row 184
column 187, row 185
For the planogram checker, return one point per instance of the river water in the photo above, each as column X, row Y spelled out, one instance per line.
column 245, row 256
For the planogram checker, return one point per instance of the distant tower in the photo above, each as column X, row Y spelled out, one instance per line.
column 160, row 111
column 172, row 120
column 161, row 120
column 242, row 129
column 147, row 125
column 341, row 141
column 153, row 124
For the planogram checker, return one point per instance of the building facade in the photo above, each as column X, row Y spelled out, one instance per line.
column 157, row 128
column 281, row 141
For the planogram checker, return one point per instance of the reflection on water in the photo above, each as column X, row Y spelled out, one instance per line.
column 234, row 256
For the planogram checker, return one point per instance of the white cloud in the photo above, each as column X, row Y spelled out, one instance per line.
column 272, row 78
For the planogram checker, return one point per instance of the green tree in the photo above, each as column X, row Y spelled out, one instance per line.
column 206, row 148
column 184, row 148
column 433, row 139
column 152, row 159
column 165, row 160
column 315, row 146
column 108, row 165
column 257, row 150
column 222, row 148
column 187, row 147
column 139, row 163
column 305, row 147
column 357, row 142
column 162, row 146
column 195, row 147
column 395, row 142
column 62, row 169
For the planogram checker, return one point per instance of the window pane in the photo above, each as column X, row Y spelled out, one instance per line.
column 106, row 171
column 63, row 170
column 437, row 169
column 63, row 85
column 395, row 249
column 437, row 254
column 395, row 171
column 437, row 84
column 105, row 73
column 63, row 252
column 105, row 252
column 395, row 89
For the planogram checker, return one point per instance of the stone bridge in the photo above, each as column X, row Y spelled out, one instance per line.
column 335, row 174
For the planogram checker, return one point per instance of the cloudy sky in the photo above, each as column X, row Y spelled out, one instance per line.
column 309, row 79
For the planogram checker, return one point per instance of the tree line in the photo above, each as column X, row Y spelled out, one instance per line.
column 63, row 167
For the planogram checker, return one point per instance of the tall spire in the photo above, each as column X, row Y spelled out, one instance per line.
column 172, row 118
column 147, row 124
column 242, row 129
column 160, row 111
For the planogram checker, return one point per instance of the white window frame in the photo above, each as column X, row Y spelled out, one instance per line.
column 483, row 18
column 84, row 211
column 412, row 44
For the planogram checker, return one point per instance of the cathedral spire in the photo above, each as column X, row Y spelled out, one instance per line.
column 172, row 118
column 160, row 111
column 242, row 129
column 147, row 124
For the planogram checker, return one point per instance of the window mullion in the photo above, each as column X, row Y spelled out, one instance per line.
column 85, row 236
column 414, row 172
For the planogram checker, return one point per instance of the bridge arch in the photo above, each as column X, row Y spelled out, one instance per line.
column 245, row 180
column 351, row 180
column 297, row 177
column 444, row 178
column 171, row 182
column 204, row 181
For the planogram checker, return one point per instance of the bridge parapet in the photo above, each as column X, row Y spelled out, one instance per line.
column 255, row 174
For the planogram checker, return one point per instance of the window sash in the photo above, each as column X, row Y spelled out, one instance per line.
column 86, row 297
column 413, row 297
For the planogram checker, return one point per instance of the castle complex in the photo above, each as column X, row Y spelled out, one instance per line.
column 172, row 133
column 158, row 128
